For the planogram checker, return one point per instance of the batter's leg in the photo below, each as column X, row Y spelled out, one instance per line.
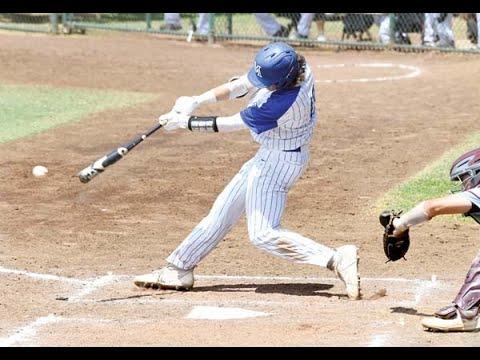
column 226, row 211
column 268, row 184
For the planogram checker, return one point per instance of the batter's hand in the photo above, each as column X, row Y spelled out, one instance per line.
column 173, row 120
column 185, row 105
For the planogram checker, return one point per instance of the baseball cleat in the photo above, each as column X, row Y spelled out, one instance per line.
column 346, row 268
column 170, row 277
column 458, row 323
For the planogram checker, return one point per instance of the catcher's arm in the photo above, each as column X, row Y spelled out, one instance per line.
column 426, row 210
column 396, row 237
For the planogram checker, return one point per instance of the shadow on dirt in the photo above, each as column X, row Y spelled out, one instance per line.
column 407, row 311
column 287, row 289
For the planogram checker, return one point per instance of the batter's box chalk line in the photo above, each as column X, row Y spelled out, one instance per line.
column 414, row 71
column 29, row 331
column 97, row 282
column 83, row 288
column 201, row 311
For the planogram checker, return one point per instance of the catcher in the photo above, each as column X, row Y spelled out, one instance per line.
column 463, row 313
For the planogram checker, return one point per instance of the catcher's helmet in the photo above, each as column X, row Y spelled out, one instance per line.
column 275, row 64
column 467, row 169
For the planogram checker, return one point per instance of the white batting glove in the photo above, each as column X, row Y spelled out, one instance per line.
column 173, row 121
column 185, row 105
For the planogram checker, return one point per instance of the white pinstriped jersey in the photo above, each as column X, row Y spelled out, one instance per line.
column 278, row 120
column 283, row 119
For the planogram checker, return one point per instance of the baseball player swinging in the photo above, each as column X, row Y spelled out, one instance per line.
column 463, row 314
column 281, row 117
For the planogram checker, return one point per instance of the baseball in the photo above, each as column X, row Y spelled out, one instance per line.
column 39, row 171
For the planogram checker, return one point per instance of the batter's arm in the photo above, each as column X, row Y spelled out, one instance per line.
column 230, row 123
column 236, row 88
column 172, row 121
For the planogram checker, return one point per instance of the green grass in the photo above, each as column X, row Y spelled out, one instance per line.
column 431, row 182
column 27, row 110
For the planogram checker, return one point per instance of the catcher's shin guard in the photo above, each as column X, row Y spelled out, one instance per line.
column 463, row 313
column 469, row 294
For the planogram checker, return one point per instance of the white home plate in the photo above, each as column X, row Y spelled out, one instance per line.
column 222, row 313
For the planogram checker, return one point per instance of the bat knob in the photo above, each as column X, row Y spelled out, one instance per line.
column 87, row 174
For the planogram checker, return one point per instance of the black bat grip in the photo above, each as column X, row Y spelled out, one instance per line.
column 112, row 158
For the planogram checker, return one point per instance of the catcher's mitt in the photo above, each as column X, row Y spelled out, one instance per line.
column 395, row 247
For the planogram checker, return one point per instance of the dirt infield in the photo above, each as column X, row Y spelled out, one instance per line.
column 68, row 251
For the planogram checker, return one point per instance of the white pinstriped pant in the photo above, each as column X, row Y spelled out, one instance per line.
column 259, row 188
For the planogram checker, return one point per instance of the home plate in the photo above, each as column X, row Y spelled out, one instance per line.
column 222, row 313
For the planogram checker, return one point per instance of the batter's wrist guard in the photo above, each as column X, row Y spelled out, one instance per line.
column 203, row 123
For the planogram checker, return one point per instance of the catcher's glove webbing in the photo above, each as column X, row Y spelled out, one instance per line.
column 395, row 247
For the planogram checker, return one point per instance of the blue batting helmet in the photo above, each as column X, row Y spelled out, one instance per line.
column 275, row 64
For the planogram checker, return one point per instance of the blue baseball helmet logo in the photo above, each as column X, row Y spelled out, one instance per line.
column 258, row 70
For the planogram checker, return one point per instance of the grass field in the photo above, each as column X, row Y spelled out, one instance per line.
column 27, row 110
column 431, row 182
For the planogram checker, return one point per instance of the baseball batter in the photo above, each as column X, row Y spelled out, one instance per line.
column 281, row 117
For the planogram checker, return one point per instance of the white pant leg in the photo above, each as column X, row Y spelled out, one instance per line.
column 445, row 32
column 383, row 22
column 478, row 29
column 268, row 23
column 172, row 18
column 272, row 175
column 225, row 212
column 203, row 25
column 429, row 31
column 304, row 24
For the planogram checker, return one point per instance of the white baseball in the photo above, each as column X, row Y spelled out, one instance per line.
column 39, row 171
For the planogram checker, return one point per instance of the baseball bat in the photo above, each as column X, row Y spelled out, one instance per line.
column 111, row 158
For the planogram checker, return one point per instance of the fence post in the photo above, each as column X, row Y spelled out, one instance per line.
column 392, row 28
column 229, row 23
column 53, row 23
column 148, row 20
column 211, row 28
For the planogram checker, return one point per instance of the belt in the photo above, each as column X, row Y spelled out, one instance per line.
column 296, row 150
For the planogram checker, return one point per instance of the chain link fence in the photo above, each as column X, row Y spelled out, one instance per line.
column 457, row 32
column 32, row 22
